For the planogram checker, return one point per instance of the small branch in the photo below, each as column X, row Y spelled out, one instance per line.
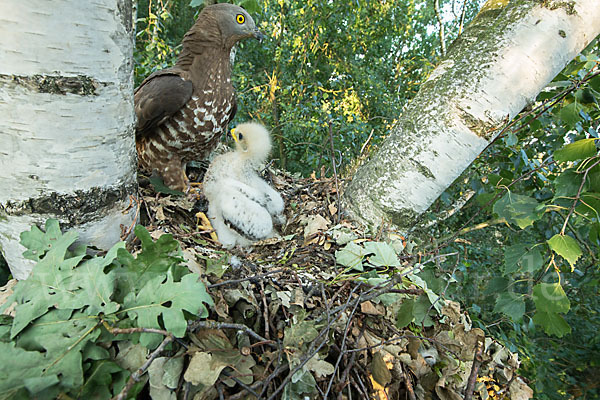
column 193, row 326
column 438, row 15
column 337, row 188
column 127, row 331
column 577, row 196
column 477, row 360
column 249, row 278
column 135, row 377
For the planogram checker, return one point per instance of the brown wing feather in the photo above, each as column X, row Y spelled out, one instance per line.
column 160, row 96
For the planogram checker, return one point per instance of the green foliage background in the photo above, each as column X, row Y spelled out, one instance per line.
column 530, row 273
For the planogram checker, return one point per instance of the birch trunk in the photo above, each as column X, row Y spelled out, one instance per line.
column 507, row 55
column 67, row 124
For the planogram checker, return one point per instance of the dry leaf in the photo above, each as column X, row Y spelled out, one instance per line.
column 332, row 209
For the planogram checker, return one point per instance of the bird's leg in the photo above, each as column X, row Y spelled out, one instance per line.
column 206, row 225
column 173, row 174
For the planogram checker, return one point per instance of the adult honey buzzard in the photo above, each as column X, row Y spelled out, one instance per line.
column 183, row 111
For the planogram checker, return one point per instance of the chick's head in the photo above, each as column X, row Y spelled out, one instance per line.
column 252, row 141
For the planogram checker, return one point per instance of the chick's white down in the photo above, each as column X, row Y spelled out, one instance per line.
column 242, row 207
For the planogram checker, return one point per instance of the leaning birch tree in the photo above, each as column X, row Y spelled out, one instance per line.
column 66, row 120
column 504, row 58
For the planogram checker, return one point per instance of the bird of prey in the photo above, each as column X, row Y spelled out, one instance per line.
column 242, row 207
column 182, row 111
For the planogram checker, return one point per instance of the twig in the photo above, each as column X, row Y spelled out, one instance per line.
column 265, row 308
column 193, row 326
column 337, row 188
column 118, row 331
column 577, row 196
column 438, row 15
column 249, row 278
column 477, row 360
column 409, row 387
column 135, row 377
column 126, row 232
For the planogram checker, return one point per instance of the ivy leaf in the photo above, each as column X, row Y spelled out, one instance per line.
column 351, row 256
column 566, row 247
column 523, row 257
column 518, row 209
column 383, row 254
column 578, row 150
column 553, row 324
column 550, row 298
column 167, row 300
column 511, row 305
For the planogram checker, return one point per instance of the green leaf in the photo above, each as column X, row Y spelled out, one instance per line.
column 567, row 183
column 167, row 300
column 59, row 281
column 155, row 259
column 351, row 256
column 251, row 6
column 551, row 298
column 405, row 313
column 570, row 114
column 566, row 247
column 511, row 305
column 522, row 257
column 300, row 334
column 99, row 381
column 62, row 335
column 589, row 205
column 51, row 284
column 38, row 242
column 25, row 369
column 552, row 323
column 196, row 3
column 518, row 209
column 383, row 254
column 157, row 182
column 578, row 150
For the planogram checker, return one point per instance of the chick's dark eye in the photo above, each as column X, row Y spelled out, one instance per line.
column 240, row 136
column 240, row 18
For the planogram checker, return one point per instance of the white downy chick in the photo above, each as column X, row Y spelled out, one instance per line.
column 242, row 207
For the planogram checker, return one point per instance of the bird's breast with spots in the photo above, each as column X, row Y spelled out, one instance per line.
column 200, row 123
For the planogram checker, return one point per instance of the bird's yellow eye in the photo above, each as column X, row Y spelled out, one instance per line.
column 240, row 18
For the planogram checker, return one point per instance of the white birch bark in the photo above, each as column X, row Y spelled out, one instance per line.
column 507, row 55
column 67, row 123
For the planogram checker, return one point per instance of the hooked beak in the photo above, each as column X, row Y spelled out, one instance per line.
column 258, row 35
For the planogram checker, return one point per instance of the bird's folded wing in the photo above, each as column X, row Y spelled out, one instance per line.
column 160, row 96
column 245, row 216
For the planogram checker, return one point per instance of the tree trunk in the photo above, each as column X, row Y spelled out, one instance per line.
column 507, row 55
column 66, row 120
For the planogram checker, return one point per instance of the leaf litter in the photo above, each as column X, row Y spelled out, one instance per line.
column 323, row 311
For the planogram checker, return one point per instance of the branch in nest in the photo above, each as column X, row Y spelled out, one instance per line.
column 135, row 377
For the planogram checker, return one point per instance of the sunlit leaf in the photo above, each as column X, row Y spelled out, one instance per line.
column 566, row 247
column 578, row 150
